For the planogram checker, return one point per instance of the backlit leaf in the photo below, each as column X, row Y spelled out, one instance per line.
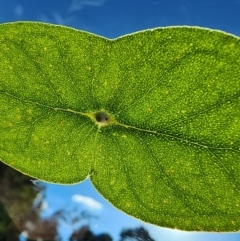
column 153, row 118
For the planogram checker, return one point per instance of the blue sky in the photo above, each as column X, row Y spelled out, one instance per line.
column 113, row 18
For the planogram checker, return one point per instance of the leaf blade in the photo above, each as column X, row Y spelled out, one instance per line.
column 169, row 153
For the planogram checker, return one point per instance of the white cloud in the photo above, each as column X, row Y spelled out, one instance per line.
column 79, row 4
column 87, row 201
column 44, row 206
column 18, row 10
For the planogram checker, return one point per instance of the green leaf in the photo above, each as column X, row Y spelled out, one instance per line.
column 153, row 118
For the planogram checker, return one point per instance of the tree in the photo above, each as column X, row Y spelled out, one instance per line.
column 19, row 215
column 138, row 234
column 85, row 234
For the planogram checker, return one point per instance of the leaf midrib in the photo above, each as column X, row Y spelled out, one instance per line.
column 88, row 115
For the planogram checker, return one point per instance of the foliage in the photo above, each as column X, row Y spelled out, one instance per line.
column 138, row 234
column 152, row 118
